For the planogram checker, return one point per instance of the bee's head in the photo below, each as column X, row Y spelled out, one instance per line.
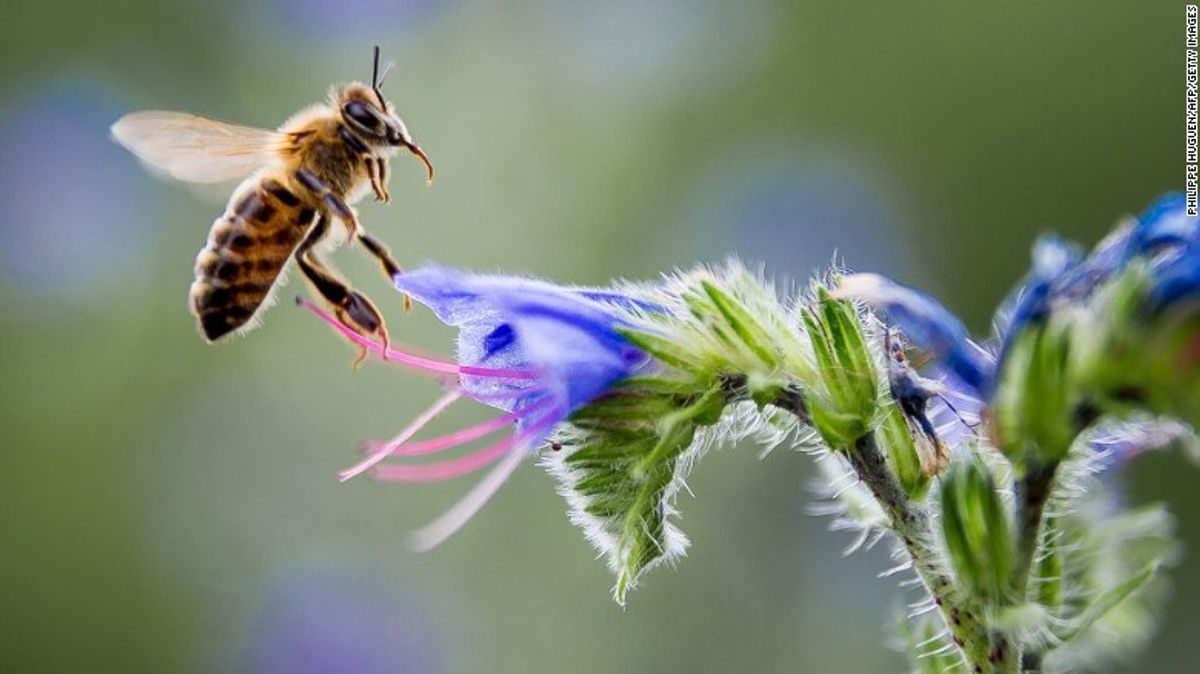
column 369, row 115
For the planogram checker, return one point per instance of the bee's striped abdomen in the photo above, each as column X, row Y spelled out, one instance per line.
column 247, row 248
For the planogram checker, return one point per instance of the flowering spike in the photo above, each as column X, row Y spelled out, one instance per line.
column 1027, row 562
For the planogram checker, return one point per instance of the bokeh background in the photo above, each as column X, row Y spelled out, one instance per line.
column 171, row 506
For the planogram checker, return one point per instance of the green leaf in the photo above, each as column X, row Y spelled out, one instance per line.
column 1108, row 600
column 621, row 473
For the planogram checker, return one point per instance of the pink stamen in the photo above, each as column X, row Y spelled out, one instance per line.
column 456, row 438
column 445, row 470
column 461, row 512
column 417, row 424
column 430, row 364
column 443, row 442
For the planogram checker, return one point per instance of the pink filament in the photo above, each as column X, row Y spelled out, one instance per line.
column 446, row 470
column 443, row 442
column 430, row 364
column 461, row 512
column 417, row 424
column 456, row 438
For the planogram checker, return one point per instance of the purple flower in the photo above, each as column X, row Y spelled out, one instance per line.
column 534, row 350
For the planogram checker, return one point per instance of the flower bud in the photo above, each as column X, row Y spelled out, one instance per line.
column 845, row 390
column 976, row 529
column 894, row 436
column 1037, row 409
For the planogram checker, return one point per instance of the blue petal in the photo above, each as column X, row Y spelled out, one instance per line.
column 1054, row 262
column 568, row 335
column 1176, row 279
column 1106, row 259
column 1171, row 240
column 456, row 296
column 1164, row 223
column 498, row 339
column 925, row 322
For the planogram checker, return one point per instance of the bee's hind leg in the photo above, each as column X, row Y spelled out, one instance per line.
column 350, row 307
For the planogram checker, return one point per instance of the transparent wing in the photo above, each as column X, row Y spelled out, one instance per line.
column 196, row 149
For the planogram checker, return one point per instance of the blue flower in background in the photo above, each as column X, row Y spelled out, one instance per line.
column 532, row 349
column 330, row 619
column 69, row 226
column 1163, row 236
column 1171, row 240
column 1053, row 261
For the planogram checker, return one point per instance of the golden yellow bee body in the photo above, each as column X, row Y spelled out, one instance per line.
column 298, row 181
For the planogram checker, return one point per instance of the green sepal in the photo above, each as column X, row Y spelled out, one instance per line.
column 976, row 530
column 843, row 398
column 748, row 329
column 894, row 436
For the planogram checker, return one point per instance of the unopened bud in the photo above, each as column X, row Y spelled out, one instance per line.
column 976, row 529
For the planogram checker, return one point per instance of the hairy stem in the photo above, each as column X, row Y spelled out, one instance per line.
column 911, row 525
column 1032, row 495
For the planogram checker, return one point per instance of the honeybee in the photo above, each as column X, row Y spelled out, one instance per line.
column 298, row 181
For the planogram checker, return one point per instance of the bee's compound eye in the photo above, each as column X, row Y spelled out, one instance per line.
column 362, row 116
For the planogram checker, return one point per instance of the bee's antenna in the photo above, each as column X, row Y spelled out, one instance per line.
column 377, row 78
column 383, row 76
column 375, row 70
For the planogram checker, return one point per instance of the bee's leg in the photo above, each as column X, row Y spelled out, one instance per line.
column 377, row 169
column 383, row 178
column 381, row 253
column 351, row 308
column 332, row 202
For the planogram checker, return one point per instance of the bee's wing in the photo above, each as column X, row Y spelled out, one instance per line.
column 196, row 149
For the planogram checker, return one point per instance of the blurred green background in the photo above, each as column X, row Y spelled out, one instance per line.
column 171, row 506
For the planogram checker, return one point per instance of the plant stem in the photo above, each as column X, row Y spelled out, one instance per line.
column 910, row 523
column 1032, row 494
